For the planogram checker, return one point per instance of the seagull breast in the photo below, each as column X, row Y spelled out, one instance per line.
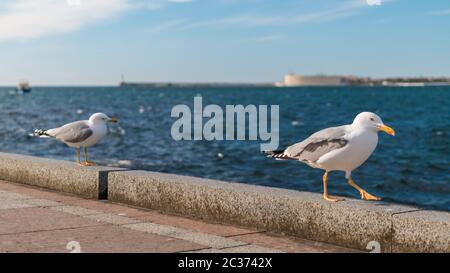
column 99, row 131
column 361, row 144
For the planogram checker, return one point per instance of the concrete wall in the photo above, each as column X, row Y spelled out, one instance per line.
column 352, row 223
column 57, row 175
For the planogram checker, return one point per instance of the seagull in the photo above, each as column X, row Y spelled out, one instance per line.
column 342, row 148
column 80, row 134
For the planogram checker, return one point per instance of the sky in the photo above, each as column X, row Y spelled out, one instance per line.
column 94, row 42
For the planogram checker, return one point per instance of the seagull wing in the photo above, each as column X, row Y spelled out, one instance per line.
column 317, row 145
column 74, row 132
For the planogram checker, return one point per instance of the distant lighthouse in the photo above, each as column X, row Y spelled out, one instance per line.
column 122, row 80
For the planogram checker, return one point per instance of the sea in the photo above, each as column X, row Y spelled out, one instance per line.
column 411, row 168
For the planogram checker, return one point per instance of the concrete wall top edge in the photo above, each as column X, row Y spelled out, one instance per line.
column 55, row 163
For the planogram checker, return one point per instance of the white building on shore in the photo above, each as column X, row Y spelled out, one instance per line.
column 291, row 80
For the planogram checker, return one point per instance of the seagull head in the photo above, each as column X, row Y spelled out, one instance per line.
column 100, row 118
column 372, row 121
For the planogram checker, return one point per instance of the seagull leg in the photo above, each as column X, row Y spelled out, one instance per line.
column 78, row 157
column 364, row 195
column 86, row 161
column 325, row 191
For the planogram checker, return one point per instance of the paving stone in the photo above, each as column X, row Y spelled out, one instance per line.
column 107, row 238
column 112, row 219
column 36, row 219
column 74, row 210
column 42, row 203
column 187, row 235
column 288, row 244
column 195, row 225
column 14, row 204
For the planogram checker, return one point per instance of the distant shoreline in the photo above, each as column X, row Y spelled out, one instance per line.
column 293, row 80
column 343, row 84
column 193, row 84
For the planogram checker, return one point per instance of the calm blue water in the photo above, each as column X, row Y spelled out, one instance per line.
column 412, row 167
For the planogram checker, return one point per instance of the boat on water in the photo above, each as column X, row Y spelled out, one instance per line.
column 23, row 87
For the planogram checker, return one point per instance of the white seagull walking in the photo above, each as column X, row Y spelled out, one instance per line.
column 342, row 148
column 80, row 134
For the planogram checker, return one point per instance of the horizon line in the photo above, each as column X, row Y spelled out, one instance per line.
column 118, row 83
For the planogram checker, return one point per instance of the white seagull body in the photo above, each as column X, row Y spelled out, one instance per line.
column 80, row 134
column 342, row 148
column 83, row 133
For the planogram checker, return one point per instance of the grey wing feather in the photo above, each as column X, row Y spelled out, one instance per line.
column 318, row 144
column 74, row 132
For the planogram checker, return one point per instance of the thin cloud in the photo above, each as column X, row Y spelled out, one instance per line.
column 346, row 9
column 25, row 19
column 263, row 39
column 166, row 26
column 180, row 1
column 441, row 12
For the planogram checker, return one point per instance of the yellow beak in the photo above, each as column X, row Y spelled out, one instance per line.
column 388, row 130
column 114, row 120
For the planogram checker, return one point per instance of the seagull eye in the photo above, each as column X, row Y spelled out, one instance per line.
column 372, row 119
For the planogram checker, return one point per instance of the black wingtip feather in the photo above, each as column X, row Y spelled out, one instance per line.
column 276, row 153
column 40, row 132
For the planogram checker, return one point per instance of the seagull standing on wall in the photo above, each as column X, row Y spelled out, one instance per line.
column 80, row 134
column 342, row 148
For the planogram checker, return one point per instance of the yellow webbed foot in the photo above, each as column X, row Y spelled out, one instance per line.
column 364, row 195
column 332, row 198
column 369, row 197
column 89, row 163
column 86, row 164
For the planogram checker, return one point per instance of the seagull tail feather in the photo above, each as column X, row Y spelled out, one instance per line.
column 41, row 133
column 278, row 155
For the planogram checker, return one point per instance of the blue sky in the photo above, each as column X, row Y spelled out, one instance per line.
column 92, row 42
